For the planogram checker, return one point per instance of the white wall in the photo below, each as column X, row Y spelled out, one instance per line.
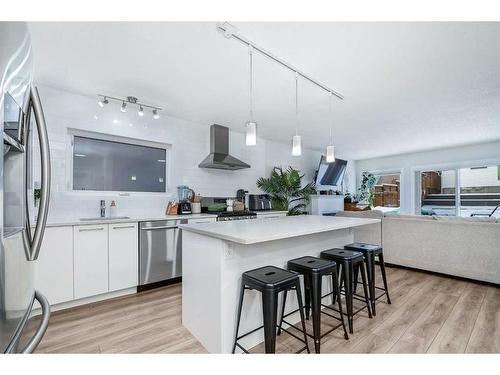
column 473, row 177
column 190, row 145
column 465, row 156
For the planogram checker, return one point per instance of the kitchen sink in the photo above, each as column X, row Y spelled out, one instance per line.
column 104, row 218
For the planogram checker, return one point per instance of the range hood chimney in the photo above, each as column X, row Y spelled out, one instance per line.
column 219, row 157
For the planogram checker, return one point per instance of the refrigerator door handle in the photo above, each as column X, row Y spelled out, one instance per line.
column 34, row 243
column 37, row 337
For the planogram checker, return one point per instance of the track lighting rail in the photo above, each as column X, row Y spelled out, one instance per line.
column 129, row 100
column 229, row 32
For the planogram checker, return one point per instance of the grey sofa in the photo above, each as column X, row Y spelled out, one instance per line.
column 465, row 247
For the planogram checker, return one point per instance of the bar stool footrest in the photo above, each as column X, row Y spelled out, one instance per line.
column 277, row 326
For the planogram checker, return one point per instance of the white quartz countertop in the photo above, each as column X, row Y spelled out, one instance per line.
column 69, row 221
column 249, row 232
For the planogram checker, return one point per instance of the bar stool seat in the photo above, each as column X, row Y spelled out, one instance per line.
column 269, row 277
column 370, row 252
column 349, row 260
column 269, row 281
column 364, row 247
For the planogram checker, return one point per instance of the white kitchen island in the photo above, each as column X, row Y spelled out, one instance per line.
column 214, row 255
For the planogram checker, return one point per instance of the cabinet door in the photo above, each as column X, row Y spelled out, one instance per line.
column 123, row 256
column 53, row 270
column 91, row 260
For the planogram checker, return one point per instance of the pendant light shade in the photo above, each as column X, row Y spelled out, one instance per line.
column 330, row 149
column 251, row 126
column 330, row 154
column 251, row 134
column 296, row 145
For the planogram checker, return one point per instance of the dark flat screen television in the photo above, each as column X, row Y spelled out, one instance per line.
column 331, row 174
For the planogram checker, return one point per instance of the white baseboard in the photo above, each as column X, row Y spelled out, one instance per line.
column 84, row 301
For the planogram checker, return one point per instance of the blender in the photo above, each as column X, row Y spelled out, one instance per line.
column 185, row 195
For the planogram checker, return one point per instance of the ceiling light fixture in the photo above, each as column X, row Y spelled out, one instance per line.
column 230, row 32
column 296, row 139
column 129, row 100
column 330, row 149
column 102, row 102
column 251, row 126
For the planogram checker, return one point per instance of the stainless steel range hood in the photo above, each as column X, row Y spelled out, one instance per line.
column 219, row 157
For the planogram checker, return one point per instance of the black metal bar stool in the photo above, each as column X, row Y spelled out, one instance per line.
column 349, row 260
column 370, row 252
column 313, row 270
column 270, row 281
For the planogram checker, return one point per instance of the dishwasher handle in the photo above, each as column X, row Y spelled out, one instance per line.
column 158, row 228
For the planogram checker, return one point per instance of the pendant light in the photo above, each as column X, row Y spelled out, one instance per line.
column 330, row 149
column 296, row 139
column 251, row 126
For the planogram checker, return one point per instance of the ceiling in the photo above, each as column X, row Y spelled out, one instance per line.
column 408, row 86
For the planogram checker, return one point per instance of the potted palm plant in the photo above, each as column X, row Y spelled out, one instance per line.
column 286, row 190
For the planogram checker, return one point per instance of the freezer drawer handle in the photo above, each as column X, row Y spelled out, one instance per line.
column 157, row 228
column 90, row 229
column 32, row 243
column 125, row 227
column 37, row 337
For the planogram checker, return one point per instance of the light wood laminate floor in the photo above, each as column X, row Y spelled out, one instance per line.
column 428, row 314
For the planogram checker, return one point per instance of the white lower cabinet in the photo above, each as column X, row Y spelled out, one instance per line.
column 123, row 256
column 53, row 270
column 90, row 246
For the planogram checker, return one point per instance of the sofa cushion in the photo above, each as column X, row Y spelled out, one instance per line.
column 458, row 219
column 416, row 217
column 372, row 214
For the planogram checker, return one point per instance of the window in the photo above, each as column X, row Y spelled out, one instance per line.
column 108, row 165
column 386, row 191
column 438, row 192
column 466, row 192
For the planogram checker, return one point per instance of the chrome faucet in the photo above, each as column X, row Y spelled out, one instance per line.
column 103, row 208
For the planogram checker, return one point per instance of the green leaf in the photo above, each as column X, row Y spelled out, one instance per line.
column 286, row 191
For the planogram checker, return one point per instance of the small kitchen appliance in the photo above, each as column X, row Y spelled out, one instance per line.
column 185, row 195
column 259, row 202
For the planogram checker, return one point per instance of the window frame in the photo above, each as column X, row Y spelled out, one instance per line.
column 72, row 133
column 456, row 166
column 383, row 172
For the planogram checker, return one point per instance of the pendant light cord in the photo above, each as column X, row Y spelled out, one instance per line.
column 331, row 117
column 250, row 52
column 296, row 103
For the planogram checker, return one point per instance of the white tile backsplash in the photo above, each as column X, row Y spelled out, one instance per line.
column 189, row 145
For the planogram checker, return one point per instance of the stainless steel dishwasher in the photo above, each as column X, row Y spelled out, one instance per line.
column 160, row 252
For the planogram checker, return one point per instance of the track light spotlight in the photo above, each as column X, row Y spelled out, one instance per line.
column 102, row 102
column 124, row 107
column 156, row 116
column 141, row 111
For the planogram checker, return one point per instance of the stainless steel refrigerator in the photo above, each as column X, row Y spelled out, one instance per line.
column 23, row 130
